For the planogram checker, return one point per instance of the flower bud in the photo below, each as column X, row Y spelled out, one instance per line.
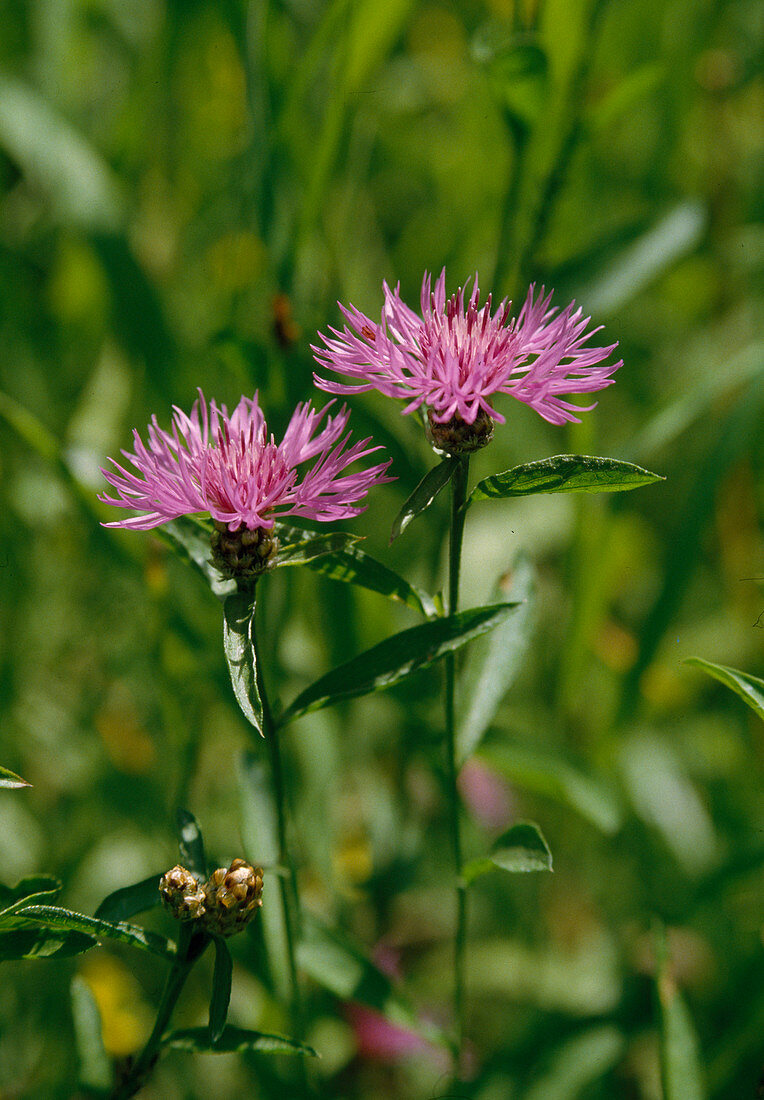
column 457, row 437
column 182, row 894
column 232, row 897
column 242, row 553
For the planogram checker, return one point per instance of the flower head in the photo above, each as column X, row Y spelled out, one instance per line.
column 230, row 467
column 455, row 356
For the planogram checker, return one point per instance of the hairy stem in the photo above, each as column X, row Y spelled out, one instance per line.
column 458, row 497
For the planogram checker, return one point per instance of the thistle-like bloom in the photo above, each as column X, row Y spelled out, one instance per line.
column 230, row 467
column 455, row 356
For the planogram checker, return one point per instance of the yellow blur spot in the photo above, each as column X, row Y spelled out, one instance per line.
column 236, row 259
column 616, row 647
column 125, row 1016
column 353, row 861
column 130, row 748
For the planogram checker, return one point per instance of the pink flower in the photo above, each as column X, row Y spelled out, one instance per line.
column 230, row 467
column 456, row 355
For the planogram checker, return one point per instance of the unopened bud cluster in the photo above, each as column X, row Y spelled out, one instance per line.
column 457, row 437
column 242, row 553
column 223, row 905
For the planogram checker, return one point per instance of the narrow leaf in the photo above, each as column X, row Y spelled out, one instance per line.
column 749, row 688
column 40, row 897
column 221, row 989
column 95, row 1064
column 298, row 550
column 681, row 1072
column 424, row 494
column 353, row 566
column 10, row 779
column 547, row 774
column 191, row 541
column 27, row 887
column 235, row 1040
column 238, row 644
column 43, row 943
column 191, row 844
column 129, row 900
column 397, row 657
column 522, row 848
column 564, row 474
column 577, row 1064
column 505, row 650
column 333, row 961
column 50, row 916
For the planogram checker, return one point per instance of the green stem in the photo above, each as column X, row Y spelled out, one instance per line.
column 458, row 497
column 190, row 947
column 290, row 898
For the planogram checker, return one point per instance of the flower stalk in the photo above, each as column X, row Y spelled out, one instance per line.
column 458, row 498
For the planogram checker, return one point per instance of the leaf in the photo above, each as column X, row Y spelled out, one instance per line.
column 338, row 965
column 521, row 849
column 681, row 1071
column 302, row 551
column 424, row 494
column 504, row 653
column 50, row 916
column 353, row 566
column 577, row 1064
column 39, row 897
column 191, row 845
column 31, row 885
column 239, row 647
column 129, row 900
column 221, row 989
column 749, row 688
column 191, row 541
column 234, row 1040
column 397, row 657
column 544, row 773
column 10, row 779
column 95, row 1065
column 563, row 474
column 43, row 943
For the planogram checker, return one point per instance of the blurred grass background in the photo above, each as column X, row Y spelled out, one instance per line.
column 186, row 189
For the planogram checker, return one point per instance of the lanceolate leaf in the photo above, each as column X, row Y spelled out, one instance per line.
column 221, row 989
column 333, row 961
column 50, row 916
column 37, row 885
column 681, row 1073
column 397, row 657
column 239, row 647
column 424, row 494
column 749, row 688
column 521, row 849
column 191, row 844
column 129, row 900
column 234, row 1040
column 505, row 649
column 296, row 549
column 10, row 779
column 8, row 914
column 43, row 943
column 563, row 474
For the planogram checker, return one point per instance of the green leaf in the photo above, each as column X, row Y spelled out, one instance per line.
column 191, row 845
column 295, row 549
column 190, row 539
column 564, row 474
column 424, row 494
column 221, row 989
column 338, row 965
column 234, row 1040
column 397, row 657
column 749, row 688
column 681, row 1071
column 544, row 773
column 521, row 849
column 239, row 647
column 39, row 897
column 50, row 916
column 129, row 900
column 577, row 1064
column 505, row 651
column 95, row 1064
column 31, row 885
column 353, row 566
column 10, row 779
column 43, row 943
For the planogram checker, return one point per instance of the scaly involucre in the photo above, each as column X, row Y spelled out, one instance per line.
column 230, row 467
column 456, row 355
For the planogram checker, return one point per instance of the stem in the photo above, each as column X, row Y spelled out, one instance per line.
column 142, row 1067
column 458, row 497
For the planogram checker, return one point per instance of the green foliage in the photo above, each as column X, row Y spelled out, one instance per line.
column 520, row 849
column 234, row 1040
column 221, row 990
column 563, row 474
column 749, row 688
column 241, row 655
